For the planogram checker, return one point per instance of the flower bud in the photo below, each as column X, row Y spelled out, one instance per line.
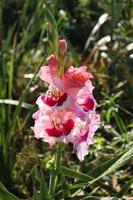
column 52, row 61
column 62, row 46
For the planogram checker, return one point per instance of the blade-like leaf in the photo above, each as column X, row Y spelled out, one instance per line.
column 15, row 103
column 100, row 198
column 43, row 188
column 5, row 194
column 125, row 188
column 101, row 171
column 35, row 194
column 94, row 198
column 51, row 30
column 73, row 174
column 102, row 19
column 111, row 165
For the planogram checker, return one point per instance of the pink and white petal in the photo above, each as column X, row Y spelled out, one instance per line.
column 95, row 121
column 49, row 76
column 36, row 115
column 45, row 74
column 51, row 140
column 40, row 102
column 38, row 129
column 40, row 133
column 81, row 150
column 86, row 91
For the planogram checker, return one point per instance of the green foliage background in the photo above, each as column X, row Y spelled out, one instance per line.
column 99, row 34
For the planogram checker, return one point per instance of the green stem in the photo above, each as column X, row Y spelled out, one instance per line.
column 58, row 155
column 54, row 173
column 58, row 167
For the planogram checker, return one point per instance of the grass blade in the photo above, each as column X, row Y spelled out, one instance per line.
column 111, row 165
column 73, row 174
column 51, row 30
column 5, row 194
column 15, row 103
column 102, row 19
column 125, row 188
column 43, row 188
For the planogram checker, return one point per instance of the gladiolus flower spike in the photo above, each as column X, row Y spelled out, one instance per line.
column 67, row 112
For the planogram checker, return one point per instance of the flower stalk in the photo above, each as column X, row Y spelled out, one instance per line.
column 54, row 174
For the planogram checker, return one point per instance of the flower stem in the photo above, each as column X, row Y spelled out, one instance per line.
column 58, row 155
column 54, row 173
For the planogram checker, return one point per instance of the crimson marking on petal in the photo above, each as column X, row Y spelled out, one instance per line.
column 88, row 104
column 68, row 126
column 50, row 101
column 63, row 129
column 84, row 137
column 62, row 99
column 54, row 132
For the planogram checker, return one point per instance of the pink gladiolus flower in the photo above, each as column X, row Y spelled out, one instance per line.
column 53, row 126
column 67, row 112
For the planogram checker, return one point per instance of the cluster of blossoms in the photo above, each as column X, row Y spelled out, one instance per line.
column 67, row 112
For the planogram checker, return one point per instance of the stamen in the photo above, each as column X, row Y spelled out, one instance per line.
column 57, row 93
column 48, row 93
column 56, row 121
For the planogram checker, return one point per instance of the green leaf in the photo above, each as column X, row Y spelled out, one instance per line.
column 73, row 174
column 100, row 198
column 125, row 188
column 7, row 42
column 35, row 194
column 34, row 176
column 111, row 165
column 51, row 30
column 22, row 97
column 102, row 19
column 94, row 198
column 24, row 10
column 101, row 171
column 15, row 103
column 38, row 177
column 5, row 194
column 43, row 188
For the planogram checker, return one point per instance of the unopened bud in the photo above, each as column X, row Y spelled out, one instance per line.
column 62, row 46
column 52, row 61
